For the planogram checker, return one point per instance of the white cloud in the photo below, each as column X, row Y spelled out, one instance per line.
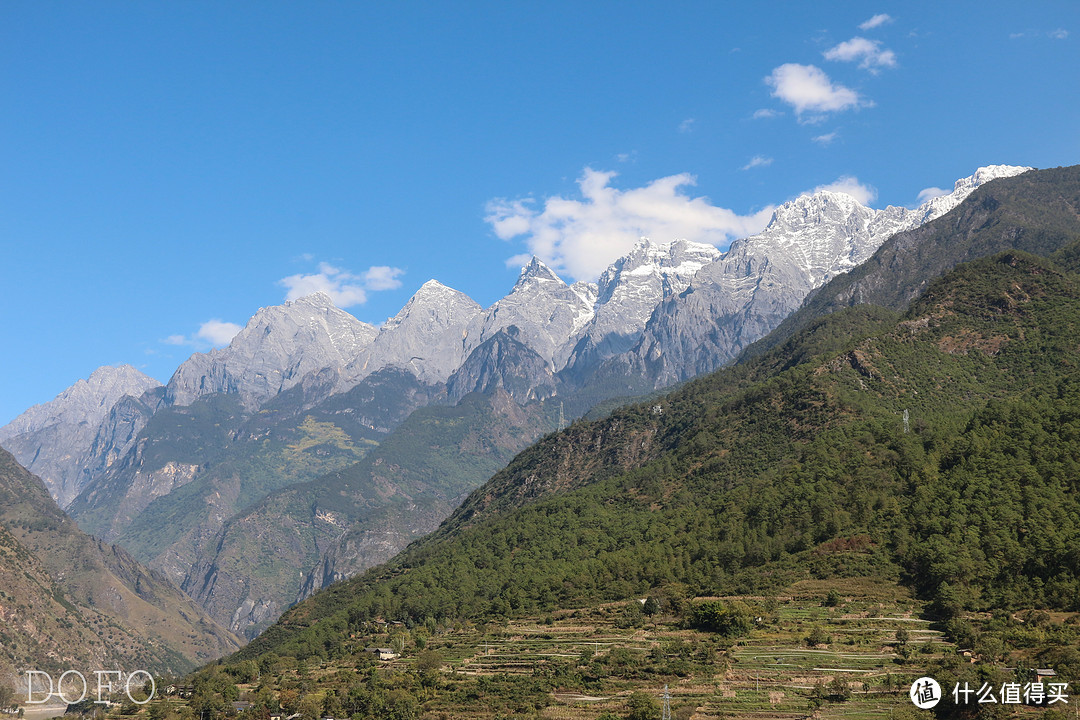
column 876, row 21
column 1058, row 34
column 583, row 236
column 345, row 288
column 869, row 53
column 930, row 193
column 217, row 332
column 687, row 125
column 827, row 138
column 809, row 90
column 766, row 113
column 212, row 333
column 849, row 184
column 382, row 277
column 757, row 161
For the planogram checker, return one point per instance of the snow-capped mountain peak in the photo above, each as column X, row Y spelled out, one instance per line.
column 938, row 206
column 536, row 271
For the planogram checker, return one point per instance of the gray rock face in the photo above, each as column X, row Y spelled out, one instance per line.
column 503, row 361
column 426, row 337
column 760, row 280
column 628, row 292
column 277, row 348
column 546, row 311
column 54, row 440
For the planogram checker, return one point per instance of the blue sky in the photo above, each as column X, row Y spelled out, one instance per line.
column 168, row 168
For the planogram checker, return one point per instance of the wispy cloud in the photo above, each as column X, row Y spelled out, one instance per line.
column 876, row 21
column 212, row 333
column 850, row 184
column 382, row 277
column 1057, row 34
column 766, row 113
column 757, row 161
column 930, row 193
column 217, row 332
column 582, row 236
column 809, row 90
column 344, row 287
column 827, row 138
column 869, row 53
column 687, row 125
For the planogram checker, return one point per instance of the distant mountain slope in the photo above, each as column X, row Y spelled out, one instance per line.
column 54, row 440
column 1038, row 211
column 349, row 520
column 69, row 601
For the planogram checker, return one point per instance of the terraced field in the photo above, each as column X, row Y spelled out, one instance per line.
column 838, row 649
column 774, row 672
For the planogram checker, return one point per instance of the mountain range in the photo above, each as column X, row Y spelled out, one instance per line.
column 314, row 445
column 936, row 447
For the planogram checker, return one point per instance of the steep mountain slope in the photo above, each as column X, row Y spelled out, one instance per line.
column 345, row 522
column 941, row 447
column 1037, row 211
column 54, row 439
column 69, row 601
column 233, row 458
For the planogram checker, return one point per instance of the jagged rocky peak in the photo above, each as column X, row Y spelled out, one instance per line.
column 987, row 173
column 425, row 337
column 654, row 267
column 545, row 309
column 87, row 401
column 503, row 361
column 587, row 291
column 537, row 271
column 761, row 279
column 629, row 290
column 54, row 439
column 278, row 346
column 441, row 305
column 824, row 207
